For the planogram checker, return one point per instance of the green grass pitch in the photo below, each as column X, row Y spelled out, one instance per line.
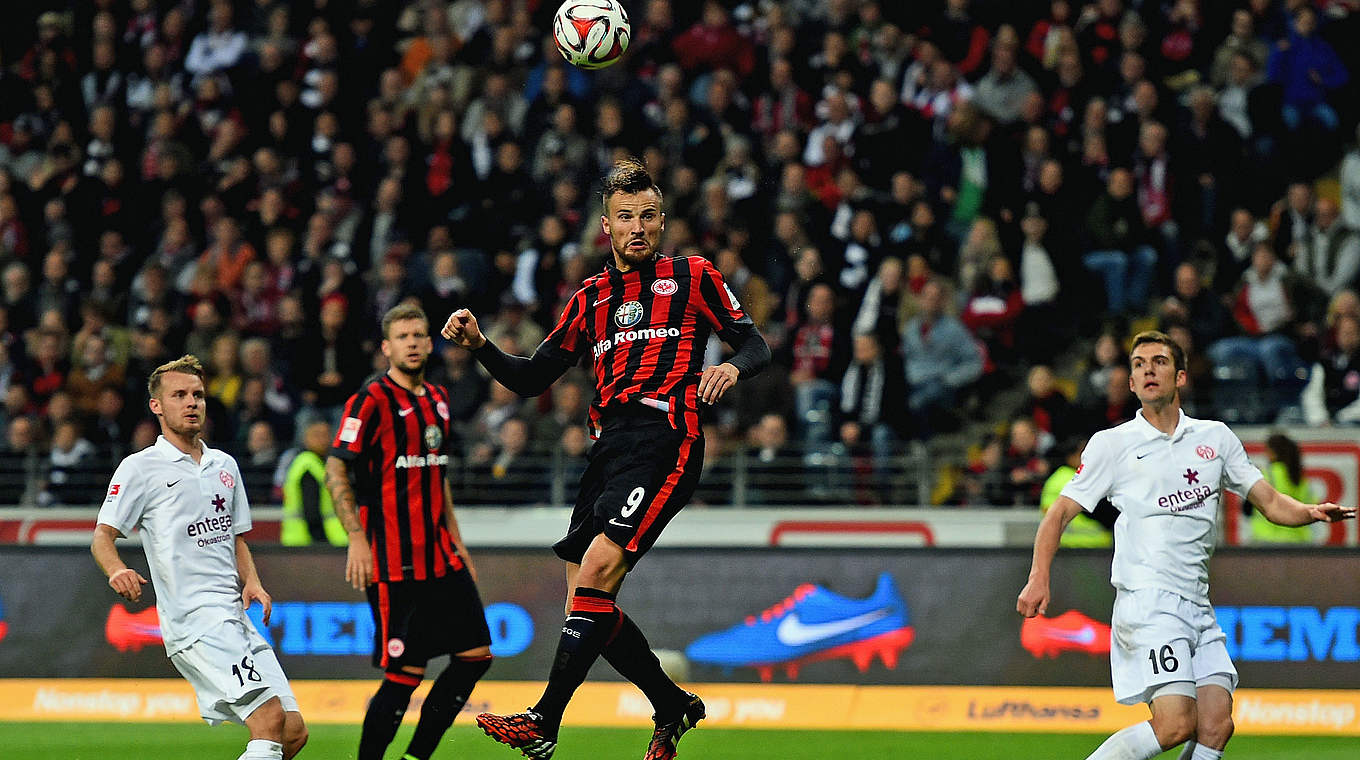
column 139, row 741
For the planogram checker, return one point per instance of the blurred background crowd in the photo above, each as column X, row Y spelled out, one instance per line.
column 947, row 217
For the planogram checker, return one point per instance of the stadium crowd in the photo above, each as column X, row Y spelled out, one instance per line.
column 920, row 204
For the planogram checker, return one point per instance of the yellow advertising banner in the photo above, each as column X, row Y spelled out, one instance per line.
column 891, row 708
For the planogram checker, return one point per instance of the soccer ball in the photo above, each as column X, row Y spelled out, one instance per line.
column 591, row 34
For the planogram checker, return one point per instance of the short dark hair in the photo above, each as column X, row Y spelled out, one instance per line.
column 628, row 175
column 1157, row 336
column 402, row 311
column 187, row 365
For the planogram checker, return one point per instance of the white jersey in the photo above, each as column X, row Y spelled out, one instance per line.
column 1167, row 489
column 189, row 515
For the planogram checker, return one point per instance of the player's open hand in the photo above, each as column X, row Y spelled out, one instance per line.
column 358, row 562
column 1033, row 599
column 128, row 583
column 256, row 592
column 462, row 329
column 1330, row 512
column 716, row 381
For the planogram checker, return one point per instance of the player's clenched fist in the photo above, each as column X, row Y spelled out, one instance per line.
column 1033, row 599
column 461, row 328
column 128, row 583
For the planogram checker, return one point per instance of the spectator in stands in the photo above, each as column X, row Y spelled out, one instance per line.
column 1117, row 404
column 1048, row 407
column 220, row 47
column 993, row 308
column 816, row 357
column 1005, row 86
column 942, row 359
column 1308, row 69
column 1330, row 256
column 93, row 371
column 68, row 462
column 506, row 467
column 332, row 363
column 871, row 409
column 771, row 462
column 1235, row 257
column 1023, row 464
column 1195, row 306
column 1118, row 247
column 1333, row 392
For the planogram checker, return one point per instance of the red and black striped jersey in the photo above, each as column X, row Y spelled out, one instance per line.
column 646, row 330
column 396, row 443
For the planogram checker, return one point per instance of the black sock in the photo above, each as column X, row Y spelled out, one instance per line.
column 632, row 656
column 447, row 696
column 384, row 715
column 584, row 633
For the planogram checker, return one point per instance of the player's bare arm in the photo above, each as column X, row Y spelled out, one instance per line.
column 1034, row 596
column 251, row 588
column 451, row 522
column 1283, row 509
column 358, row 558
column 123, row 579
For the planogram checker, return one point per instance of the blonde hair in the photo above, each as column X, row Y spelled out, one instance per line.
column 187, row 365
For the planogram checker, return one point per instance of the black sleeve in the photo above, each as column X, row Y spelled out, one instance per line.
column 752, row 355
column 527, row 376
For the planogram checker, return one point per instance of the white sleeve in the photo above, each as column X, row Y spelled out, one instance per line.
column 125, row 501
column 1239, row 474
column 240, row 504
column 1095, row 477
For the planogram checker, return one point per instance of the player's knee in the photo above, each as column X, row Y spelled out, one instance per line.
column 1174, row 728
column 267, row 720
column 295, row 735
column 1216, row 731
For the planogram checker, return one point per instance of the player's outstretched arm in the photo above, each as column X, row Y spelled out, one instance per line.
column 123, row 579
column 525, row 375
column 1283, row 509
column 358, row 558
column 251, row 587
column 1035, row 595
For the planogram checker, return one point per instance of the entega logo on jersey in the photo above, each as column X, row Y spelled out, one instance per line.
column 1185, row 499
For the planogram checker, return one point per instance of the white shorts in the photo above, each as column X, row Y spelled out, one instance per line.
column 233, row 672
column 1165, row 643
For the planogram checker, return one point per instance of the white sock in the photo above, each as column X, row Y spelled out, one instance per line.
column 262, row 749
column 1204, row 753
column 1137, row 742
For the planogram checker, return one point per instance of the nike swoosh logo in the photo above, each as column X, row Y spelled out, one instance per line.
column 172, row 485
column 597, row 303
column 1084, row 635
column 794, row 632
column 407, row 411
column 618, row 524
column 1140, row 456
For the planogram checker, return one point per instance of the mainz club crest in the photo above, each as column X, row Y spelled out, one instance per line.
column 1205, row 452
column 227, row 479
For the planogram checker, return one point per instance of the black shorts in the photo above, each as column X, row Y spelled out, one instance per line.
column 414, row 621
column 640, row 474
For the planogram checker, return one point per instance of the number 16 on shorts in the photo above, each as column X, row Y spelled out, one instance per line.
column 1166, row 663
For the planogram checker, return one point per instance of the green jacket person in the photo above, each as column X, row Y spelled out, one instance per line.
column 308, row 513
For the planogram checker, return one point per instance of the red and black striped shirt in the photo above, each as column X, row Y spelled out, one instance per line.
column 397, row 443
column 646, row 330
